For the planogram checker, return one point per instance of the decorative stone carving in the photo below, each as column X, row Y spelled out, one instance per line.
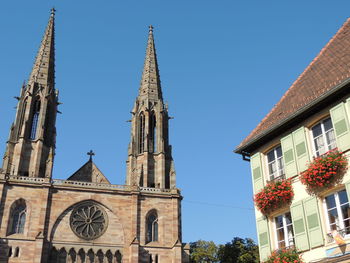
column 88, row 220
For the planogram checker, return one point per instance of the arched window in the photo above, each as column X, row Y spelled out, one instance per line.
column 99, row 256
column 141, row 132
column 35, row 119
column 72, row 255
column 21, row 118
column 16, row 255
column 81, row 255
column 90, row 256
column 109, row 256
column 152, row 227
column 62, row 256
column 118, row 257
column 153, row 133
column 17, row 217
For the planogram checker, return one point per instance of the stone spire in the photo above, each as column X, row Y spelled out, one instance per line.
column 150, row 83
column 30, row 149
column 150, row 162
column 43, row 70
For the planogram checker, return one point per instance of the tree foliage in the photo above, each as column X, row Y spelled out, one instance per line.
column 237, row 251
column 203, row 252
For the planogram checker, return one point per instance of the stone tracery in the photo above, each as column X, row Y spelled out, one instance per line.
column 88, row 220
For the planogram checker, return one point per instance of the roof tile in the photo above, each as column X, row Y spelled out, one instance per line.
column 329, row 68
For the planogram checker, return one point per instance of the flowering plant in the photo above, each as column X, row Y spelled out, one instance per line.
column 284, row 256
column 274, row 195
column 324, row 171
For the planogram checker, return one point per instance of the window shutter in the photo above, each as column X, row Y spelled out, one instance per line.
column 341, row 126
column 299, row 226
column 257, row 172
column 301, row 149
column 263, row 238
column 313, row 222
column 290, row 166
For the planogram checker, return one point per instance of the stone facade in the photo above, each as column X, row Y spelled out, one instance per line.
column 85, row 218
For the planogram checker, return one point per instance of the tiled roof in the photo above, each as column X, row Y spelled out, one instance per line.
column 330, row 68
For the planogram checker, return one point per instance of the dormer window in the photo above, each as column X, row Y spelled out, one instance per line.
column 275, row 163
column 323, row 137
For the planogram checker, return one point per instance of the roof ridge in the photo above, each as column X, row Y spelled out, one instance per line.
column 294, row 84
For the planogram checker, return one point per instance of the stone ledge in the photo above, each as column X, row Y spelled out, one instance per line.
column 59, row 183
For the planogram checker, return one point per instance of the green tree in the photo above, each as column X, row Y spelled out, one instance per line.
column 239, row 251
column 203, row 252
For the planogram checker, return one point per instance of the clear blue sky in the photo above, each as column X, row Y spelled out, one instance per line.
column 223, row 66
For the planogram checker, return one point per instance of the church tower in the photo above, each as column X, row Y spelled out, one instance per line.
column 31, row 145
column 150, row 162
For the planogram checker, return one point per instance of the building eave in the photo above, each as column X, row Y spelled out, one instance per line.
column 279, row 127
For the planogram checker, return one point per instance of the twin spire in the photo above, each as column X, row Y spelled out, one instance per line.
column 43, row 71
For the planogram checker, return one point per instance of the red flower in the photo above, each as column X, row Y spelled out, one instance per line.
column 274, row 195
column 324, row 171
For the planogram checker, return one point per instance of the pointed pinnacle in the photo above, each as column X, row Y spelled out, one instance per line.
column 43, row 69
column 150, row 82
column 53, row 10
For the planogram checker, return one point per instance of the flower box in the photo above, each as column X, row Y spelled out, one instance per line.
column 274, row 195
column 324, row 171
column 284, row 256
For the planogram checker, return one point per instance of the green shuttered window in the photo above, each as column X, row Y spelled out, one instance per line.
column 299, row 225
column 313, row 222
column 263, row 238
column 301, row 149
column 340, row 121
column 290, row 165
column 257, row 172
column 295, row 152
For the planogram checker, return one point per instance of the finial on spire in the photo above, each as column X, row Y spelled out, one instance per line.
column 91, row 153
column 53, row 10
column 150, row 28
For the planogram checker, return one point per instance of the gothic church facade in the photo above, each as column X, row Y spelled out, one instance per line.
column 85, row 218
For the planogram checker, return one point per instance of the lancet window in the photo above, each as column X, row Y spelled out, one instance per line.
column 153, row 133
column 17, row 218
column 141, row 132
column 152, row 227
column 35, row 119
column 21, row 118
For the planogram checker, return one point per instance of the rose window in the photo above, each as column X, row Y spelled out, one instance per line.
column 88, row 220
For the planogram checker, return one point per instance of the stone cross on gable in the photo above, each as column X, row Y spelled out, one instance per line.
column 91, row 153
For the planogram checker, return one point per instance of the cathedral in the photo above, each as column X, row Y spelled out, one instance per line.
column 85, row 218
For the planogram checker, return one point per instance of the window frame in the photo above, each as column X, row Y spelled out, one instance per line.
column 341, row 227
column 154, row 230
column 278, row 171
column 323, row 134
column 16, row 226
column 287, row 241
